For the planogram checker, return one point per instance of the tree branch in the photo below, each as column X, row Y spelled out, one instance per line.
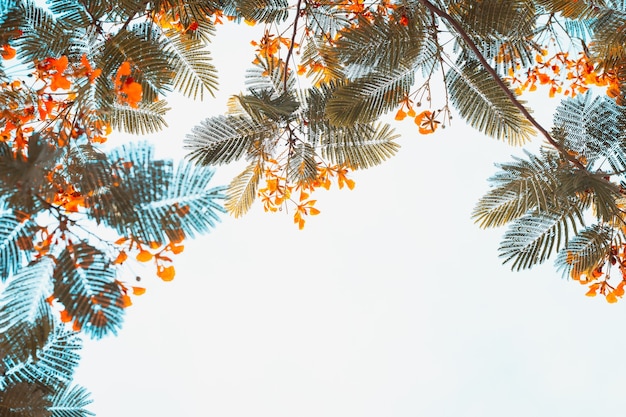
column 470, row 43
column 293, row 39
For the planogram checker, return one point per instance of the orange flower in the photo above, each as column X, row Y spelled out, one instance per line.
column 126, row 301
column 400, row 115
column 7, row 52
column 128, row 91
column 65, row 317
column 121, row 257
column 91, row 73
column 343, row 179
column 144, row 256
column 58, row 79
column 426, row 122
column 138, row 290
column 166, row 273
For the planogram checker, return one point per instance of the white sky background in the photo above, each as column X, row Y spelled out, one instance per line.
column 391, row 302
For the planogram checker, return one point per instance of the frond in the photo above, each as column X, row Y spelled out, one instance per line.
column 42, row 35
column 266, row 11
column 24, row 399
column 532, row 238
column 26, row 319
column 195, row 74
column 609, row 39
column 302, row 168
column 261, row 106
column 148, row 57
column 325, row 20
column 266, row 77
column 583, row 9
column 16, row 248
column 185, row 208
column 600, row 192
column 157, row 202
column 146, row 118
column 70, row 402
column 593, row 127
column 361, row 146
column 488, row 19
column 53, row 365
column 585, row 251
column 481, row 102
column 71, row 12
column 365, row 99
column 88, row 169
column 190, row 10
column 224, row 139
column 85, row 284
column 381, row 44
column 520, row 186
column 323, row 62
column 582, row 29
column 242, row 190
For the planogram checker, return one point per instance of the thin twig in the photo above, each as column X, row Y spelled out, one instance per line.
column 291, row 44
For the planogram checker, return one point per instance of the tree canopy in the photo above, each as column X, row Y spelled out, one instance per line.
column 324, row 75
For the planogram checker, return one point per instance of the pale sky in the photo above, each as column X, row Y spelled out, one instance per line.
column 391, row 302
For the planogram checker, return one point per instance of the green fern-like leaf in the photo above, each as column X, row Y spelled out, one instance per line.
column 364, row 100
column 26, row 319
column 574, row 9
column 594, row 128
column 146, row 118
column 70, row 402
column 24, row 399
column 54, row 364
column 361, row 146
column 16, row 248
column 85, row 284
column 42, row 35
column 266, row 11
column 586, row 250
column 266, row 77
column 534, row 237
column 381, row 44
column 609, row 39
column 156, row 201
column 325, row 20
column 242, row 190
column 195, row 74
column 224, row 139
column 302, row 168
column 481, row 102
column 520, row 186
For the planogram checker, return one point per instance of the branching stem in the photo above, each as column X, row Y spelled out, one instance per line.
column 291, row 44
column 511, row 96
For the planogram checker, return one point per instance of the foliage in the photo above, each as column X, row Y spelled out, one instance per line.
column 73, row 215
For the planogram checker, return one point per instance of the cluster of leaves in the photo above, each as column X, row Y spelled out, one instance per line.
column 72, row 215
column 322, row 76
column 363, row 60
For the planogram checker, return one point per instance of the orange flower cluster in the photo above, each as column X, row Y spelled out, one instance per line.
column 22, row 117
column 269, row 45
column 278, row 190
column 564, row 75
column 69, row 199
column 151, row 251
column 611, row 290
column 426, row 121
column 128, row 91
column 7, row 52
column 98, row 319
